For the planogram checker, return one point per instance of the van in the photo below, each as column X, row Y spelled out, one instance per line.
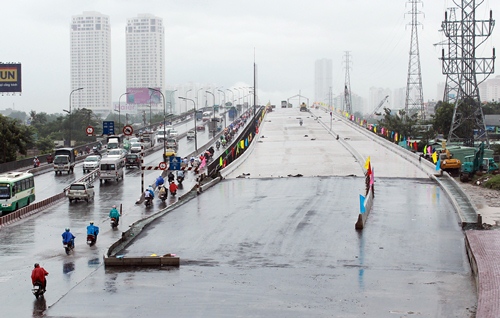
column 111, row 169
column 113, row 143
column 190, row 134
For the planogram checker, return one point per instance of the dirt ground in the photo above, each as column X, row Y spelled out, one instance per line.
column 486, row 200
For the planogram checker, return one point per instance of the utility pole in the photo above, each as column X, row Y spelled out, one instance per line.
column 347, row 84
column 414, row 96
column 468, row 114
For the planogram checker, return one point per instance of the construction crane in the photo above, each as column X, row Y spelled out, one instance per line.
column 378, row 106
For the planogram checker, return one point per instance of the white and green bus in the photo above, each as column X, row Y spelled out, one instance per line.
column 17, row 189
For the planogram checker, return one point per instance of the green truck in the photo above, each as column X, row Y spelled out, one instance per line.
column 477, row 163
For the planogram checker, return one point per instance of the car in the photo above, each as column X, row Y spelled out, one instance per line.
column 191, row 134
column 91, row 163
column 172, row 143
column 200, row 127
column 173, row 133
column 169, row 152
column 118, row 152
column 80, row 191
column 133, row 160
column 135, row 147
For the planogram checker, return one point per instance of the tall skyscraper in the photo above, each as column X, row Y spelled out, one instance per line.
column 322, row 80
column 91, row 62
column 145, row 54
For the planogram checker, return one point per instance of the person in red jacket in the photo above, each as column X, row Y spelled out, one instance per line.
column 38, row 275
column 173, row 188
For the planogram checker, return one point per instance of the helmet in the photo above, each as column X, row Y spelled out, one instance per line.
column 67, row 229
column 36, row 265
column 91, row 222
column 114, row 206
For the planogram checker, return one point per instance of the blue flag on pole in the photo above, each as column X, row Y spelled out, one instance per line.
column 438, row 164
column 361, row 204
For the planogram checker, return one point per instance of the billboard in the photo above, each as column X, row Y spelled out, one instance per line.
column 10, row 78
column 143, row 95
column 125, row 108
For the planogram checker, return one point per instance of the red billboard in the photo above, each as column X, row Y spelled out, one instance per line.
column 143, row 95
column 10, row 78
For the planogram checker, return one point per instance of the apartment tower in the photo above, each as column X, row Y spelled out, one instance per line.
column 322, row 80
column 145, row 58
column 91, row 62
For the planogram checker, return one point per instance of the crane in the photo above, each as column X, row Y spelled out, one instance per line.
column 378, row 106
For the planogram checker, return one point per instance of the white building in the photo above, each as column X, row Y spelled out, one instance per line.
column 90, row 38
column 145, row 60
column 489, row 90
column 322, row 80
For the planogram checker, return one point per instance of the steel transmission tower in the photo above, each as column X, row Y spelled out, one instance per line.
column 452, row 80
column 347, row 85
column 414, row 97
column 464, row 33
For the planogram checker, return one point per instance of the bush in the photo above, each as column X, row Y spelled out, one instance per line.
column 493, row 183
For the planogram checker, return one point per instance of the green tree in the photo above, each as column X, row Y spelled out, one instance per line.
column 14, row 138
column 442, row 118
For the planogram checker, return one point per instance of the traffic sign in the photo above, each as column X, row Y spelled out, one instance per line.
column 128, row 130
column 175, row 163
column 162, row 165
column 89, row 130
column 108, row 127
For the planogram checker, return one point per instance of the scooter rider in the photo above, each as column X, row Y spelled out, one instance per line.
column 170, row 177
column 93, row 230
column 173, row 188
column 38, row 275
column 217, row 144
column 114, row 213
column 180, row 176
column 68, row 238
column 159, row 181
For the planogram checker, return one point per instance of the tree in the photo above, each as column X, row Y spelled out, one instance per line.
column 442, row 118
column 14, row 138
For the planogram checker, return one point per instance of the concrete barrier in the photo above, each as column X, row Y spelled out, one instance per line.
column 362, row 217
column 147, row 261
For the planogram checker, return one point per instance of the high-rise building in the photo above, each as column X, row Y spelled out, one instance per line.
column 91, row 62
column 490, row 90
column 322, row 80
column 145, row 58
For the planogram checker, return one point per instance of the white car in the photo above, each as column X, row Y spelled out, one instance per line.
column 173, row 133
column 135, row 147
column 91, row 163
column 118, row 152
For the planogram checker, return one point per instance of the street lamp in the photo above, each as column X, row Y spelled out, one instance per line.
column 69, row 112
column 209, row 92
column 195, row 132
column 164, row 116
column 119, row 110
column 170, row 100
column 197, row 102
column 187, row 96
column 232, row 96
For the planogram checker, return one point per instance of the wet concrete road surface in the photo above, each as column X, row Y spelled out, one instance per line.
column 268, row 248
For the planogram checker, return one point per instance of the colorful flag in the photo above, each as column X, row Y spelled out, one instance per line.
column 425, row 150
column 367, row 163
column 220, row 161
column 361, row 204
column 438, row 164
column 434, row 157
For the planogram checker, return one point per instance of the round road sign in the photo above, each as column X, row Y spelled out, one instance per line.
column 162, row 165
column 128, row 130
column 89, row 130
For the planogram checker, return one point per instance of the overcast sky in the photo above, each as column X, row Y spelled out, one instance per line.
column 214, row 41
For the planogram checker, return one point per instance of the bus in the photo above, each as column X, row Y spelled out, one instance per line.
column 17, row 189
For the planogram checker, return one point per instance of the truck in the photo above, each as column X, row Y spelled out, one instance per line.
column 64, row 160
column 477, row 164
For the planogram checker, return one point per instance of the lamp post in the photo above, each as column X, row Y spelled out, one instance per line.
column 119, row 110
column 164, row 116
column 170, row 100
column 69, row 112
column 224, row 108
column 232, row 96
column 197, row 101
column 209, row 92
column 195, row 132
column 187, row 96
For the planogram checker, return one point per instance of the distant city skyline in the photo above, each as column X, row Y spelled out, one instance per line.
column 216, row 42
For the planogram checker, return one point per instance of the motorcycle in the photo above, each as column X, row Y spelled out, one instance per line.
column 91, row 239
column 68, row 247
column 300, row 122
column 180, row 179
column 162, row 194
column 170, row 177
column 148, row 201
column 37, row 290
column 173, row 192
column 217, row 145
column 113, row 222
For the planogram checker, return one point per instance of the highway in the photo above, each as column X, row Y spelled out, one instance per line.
column 265, row 245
